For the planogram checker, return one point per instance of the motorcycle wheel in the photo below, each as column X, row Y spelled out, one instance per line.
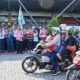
column 29, row 65
column 72, row 74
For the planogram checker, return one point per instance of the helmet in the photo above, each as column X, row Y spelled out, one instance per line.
column 71, row 31
column 63, row 32
column 55, row 30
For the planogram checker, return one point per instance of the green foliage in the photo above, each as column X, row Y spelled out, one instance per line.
column 71, row 31
column 53, row 23
column 60, row 19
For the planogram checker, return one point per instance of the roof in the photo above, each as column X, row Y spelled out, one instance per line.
column 39, row 5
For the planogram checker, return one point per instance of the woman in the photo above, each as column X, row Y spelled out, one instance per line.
column 30, row 33
column 65, row 44
column 19, row 38
column 42, row 34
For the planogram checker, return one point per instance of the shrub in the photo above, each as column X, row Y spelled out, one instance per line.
column 53, row 23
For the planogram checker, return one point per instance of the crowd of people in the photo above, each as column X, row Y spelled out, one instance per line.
column 17, row 39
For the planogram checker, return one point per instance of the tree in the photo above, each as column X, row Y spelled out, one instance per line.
column 53, row 23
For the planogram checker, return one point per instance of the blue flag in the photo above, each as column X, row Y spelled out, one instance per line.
column 21, row 20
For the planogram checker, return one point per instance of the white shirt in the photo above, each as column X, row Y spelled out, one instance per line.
column 1, row 35
column 35, row 37
column 56, row 41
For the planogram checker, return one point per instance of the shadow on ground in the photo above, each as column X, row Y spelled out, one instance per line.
column 47, row 75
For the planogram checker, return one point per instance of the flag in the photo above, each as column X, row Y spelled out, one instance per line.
column 21, row 20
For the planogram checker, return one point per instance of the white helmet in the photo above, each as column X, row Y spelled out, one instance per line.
column 55, row 30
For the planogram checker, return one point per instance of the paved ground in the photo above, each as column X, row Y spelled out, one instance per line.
column 10, row 69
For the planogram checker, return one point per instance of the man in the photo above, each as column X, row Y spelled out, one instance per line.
column 9, row 39
column 52, row 55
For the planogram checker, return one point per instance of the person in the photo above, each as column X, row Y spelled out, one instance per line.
column 62, row 46
column 30, row 33
column 19, row 38
column 69, row 41
column 14, row 39
column 42, row 34
column 9, row 40
column 1, row 40
column 24, row 38
column 52, row 55
column 35, row 38
column 5, row 38
column 49, row 38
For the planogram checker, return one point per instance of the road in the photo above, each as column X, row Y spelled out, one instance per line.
column 10, row 69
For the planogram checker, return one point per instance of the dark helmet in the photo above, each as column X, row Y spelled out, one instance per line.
column 63, row 32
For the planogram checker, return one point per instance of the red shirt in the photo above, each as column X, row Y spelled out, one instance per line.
column 51, row 47
column 30, row 34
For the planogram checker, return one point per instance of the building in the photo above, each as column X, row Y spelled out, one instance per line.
column 41, row 10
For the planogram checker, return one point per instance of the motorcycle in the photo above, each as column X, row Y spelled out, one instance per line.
column 73, row 72
column 36, row 60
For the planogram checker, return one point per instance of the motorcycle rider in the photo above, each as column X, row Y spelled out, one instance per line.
column 52, row 55
column 69, row 41
column 49, row 39
column 63, row 39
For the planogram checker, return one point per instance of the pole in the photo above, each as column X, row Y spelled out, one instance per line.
column 9, row 5
column 72, row 2
column 31, row 23
column 28, row 13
